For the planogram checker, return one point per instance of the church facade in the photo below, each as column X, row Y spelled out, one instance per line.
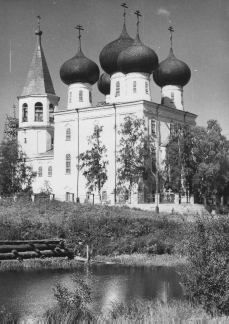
column 52, row 139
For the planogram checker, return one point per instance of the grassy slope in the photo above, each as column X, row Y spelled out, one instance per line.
column 107, row 230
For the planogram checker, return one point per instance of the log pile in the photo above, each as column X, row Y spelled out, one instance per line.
column 20, row 250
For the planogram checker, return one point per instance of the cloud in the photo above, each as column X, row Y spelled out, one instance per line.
column 163, row 12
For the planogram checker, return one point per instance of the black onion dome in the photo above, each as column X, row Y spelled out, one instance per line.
column 79, row 69
column 172, row 71
column 137, row 58
column 104, row 84
column 109, row 54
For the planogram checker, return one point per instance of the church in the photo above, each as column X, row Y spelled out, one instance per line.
column 52, row 139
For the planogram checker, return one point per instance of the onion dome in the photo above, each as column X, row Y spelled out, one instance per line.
column 104, row 84
column 137, row 58
column 172, row 71
column 109, row 54
column 79, row 69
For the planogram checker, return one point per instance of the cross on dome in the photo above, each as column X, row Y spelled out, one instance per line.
column 124, row 13
column 137, row 13
column 171, row 35
column 38, row 22
column 79, row 27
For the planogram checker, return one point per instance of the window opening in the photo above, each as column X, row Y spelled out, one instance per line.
column 24, row 112
column 38, row 112
column 50, row 171
column 51, row 111
column 40, row 171
column 90, row 97
column 172, row 97
column 68, row 163
column 171, row 128
column 117, row 89
column 153, row 126
column 147, row 87
column 134, row 86
column 25, row 140
column 70, row 97
column 104, row 195
column 80, row 96
column 68, row 134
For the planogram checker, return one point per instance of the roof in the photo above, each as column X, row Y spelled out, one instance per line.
column 38, row 80
column 47, row 153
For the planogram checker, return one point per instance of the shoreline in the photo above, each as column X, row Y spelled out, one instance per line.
column 134, row 260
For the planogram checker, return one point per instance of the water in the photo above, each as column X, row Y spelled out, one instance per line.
column 30, row 292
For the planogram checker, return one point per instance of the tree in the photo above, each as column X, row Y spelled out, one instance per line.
column 15, row 175
column 136, row 155
column 93, row 162
column 197, row 159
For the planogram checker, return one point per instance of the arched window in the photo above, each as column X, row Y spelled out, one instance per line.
column 134, row 86
column 70, row 97
column 38, row 111
column 153, row 126
column 117, row 89
column 172, row 97
column 51, row 111
column 68, row 134
column 24, row 112
column 90, row 97
column 80, row 96
column 68, row 163
column 50, row 171
column 40, row 171
column 147, row 87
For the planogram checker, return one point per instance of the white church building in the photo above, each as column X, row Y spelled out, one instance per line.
column 52, row 139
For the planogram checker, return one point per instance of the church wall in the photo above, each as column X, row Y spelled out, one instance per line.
column 40, row 179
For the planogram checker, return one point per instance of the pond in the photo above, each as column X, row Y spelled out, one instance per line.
column 30, row 292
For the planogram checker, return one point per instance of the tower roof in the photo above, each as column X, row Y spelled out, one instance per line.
column 38, row 81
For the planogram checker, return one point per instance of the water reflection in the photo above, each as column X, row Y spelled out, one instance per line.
column 29, row 292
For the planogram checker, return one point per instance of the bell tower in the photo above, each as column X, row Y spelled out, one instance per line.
column 37, row 104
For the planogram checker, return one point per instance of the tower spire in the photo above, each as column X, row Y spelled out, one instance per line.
column 137, row 13
column 171, row 36
column 124, row 12
column 79, row 27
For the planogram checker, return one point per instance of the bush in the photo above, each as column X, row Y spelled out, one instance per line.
column 206, row 281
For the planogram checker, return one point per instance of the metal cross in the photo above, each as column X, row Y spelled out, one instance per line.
column 79, row 27
column 39, row 19
column 124, row 7
column 171, row 35
column 137, row 13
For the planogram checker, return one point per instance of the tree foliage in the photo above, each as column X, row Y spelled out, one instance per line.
column 197, row 159
column 136, row 154
column 15, row 175
column 93, row 162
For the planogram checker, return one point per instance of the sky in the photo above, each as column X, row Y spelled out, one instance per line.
column 200, row 39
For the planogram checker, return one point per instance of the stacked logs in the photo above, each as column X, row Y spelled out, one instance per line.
column 33, row 249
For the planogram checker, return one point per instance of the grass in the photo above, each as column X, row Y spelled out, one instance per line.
column 108, row 230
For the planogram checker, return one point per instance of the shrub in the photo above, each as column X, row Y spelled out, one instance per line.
column 206, row 281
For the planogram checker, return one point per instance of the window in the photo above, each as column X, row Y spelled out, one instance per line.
column 24, row 112
column 68, row 134
column 70, row 97
column 153, row 126
column 172, row 97
column 68, row 163
column 104, row 195
column 154, row 160
column 38, row 111
column 171, row 128
column 40, row 171
column 51, row 111
column 25, row 140
column 182, row 99
column 80, row 96
column 117, row 89
column 134, row 87
column 147, row 87
column 50, row 171
column 90, row 97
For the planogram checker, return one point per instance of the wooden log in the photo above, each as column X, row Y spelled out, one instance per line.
column 44, row 241
column 26, row 247
column 33, row 254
